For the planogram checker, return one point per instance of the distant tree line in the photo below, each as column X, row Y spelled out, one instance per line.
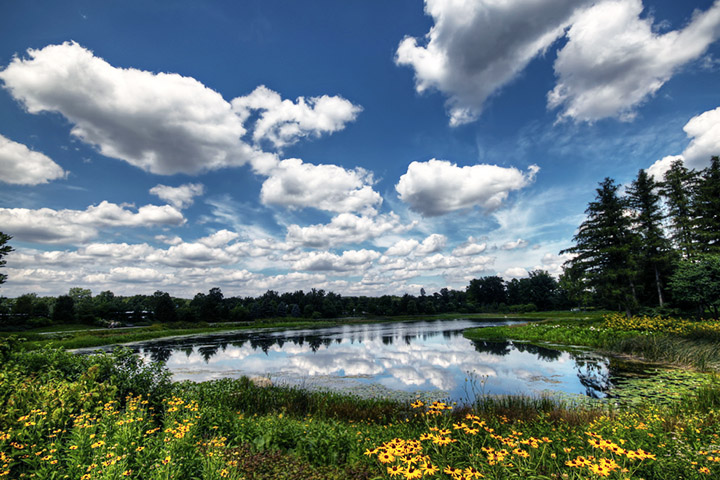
column 654, row 248
column 488, row 294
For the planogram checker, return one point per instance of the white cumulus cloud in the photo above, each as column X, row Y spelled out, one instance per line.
column 402, row 248
column 512, row 245
column 615, row 60
column 471, row 247
column 476, row 47
column 46, row 225
column 179, row 197
column 283, row 122
column 515, row 272
column 705, row 133
column 437, row 187
column 345, row 228
column 163, row 123
column 295, row 184
column 322, row 261
column 431, row 244
column 21, row 166
column 704, row 130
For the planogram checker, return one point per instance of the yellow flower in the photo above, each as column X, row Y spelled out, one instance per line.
column 412, row 473
column 385, row 457
column 394, row 470
column 472, row 472
column 429, row 469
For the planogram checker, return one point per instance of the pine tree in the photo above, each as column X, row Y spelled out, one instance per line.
column 4, row 250
column 655, row 250
column 604, row 247
column 707, row 208
column 677, row 189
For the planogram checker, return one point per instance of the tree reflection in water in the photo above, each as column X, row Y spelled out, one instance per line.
column 426, row 356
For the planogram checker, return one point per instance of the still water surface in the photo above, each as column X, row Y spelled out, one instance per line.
column 427, row 358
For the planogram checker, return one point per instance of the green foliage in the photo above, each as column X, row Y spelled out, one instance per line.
column 677, row 188
column 4, row 250
column 64, row 415
column 604, row 248
column 697, row 282
column 707, row 209
column 675, row 341
column 655, row 254
column 64, row 311
column 487, row 291
column 165, row 310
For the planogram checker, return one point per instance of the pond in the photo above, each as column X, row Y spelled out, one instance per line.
column 430, row 359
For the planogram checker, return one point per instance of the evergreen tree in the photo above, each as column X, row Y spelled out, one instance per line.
column 604, row 247
column 707, row 208
column 677, row 189
column 655, row 250
column 4, row 250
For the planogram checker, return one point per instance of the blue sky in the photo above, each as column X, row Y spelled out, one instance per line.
column 360, row 147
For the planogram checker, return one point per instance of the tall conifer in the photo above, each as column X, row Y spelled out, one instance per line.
column 707, row 208
column 604, row 247
column 655, row 251
column 677, row 189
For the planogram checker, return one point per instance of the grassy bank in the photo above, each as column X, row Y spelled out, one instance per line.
column 82, row 336
column 675, row 341
column 81, row 417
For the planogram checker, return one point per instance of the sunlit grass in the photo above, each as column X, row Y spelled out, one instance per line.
column 677, row 341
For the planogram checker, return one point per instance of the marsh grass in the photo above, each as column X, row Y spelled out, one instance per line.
column 699, row 353
column 675, row 341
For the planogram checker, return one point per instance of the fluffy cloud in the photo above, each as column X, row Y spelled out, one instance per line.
column 475, row 48
column 515, row 272
column 431, row 244
column 295, row 184
column 191, row 255
column 128, row 275
column 22, row 166
column 179, row 197
column 283, row 122
column 349, row 260
column 705, row 133
column 163, row 123
column 437, row 187
column 614, row 60
column 219, row 238
column 704, row 130
column 553, row 263
column 402, row 248
column 657, row 170
column 512, row 245
column 345, row 228
column 471, row 247
column 46, row 225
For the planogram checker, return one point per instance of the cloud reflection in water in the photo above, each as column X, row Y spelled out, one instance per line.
column 409, row 357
